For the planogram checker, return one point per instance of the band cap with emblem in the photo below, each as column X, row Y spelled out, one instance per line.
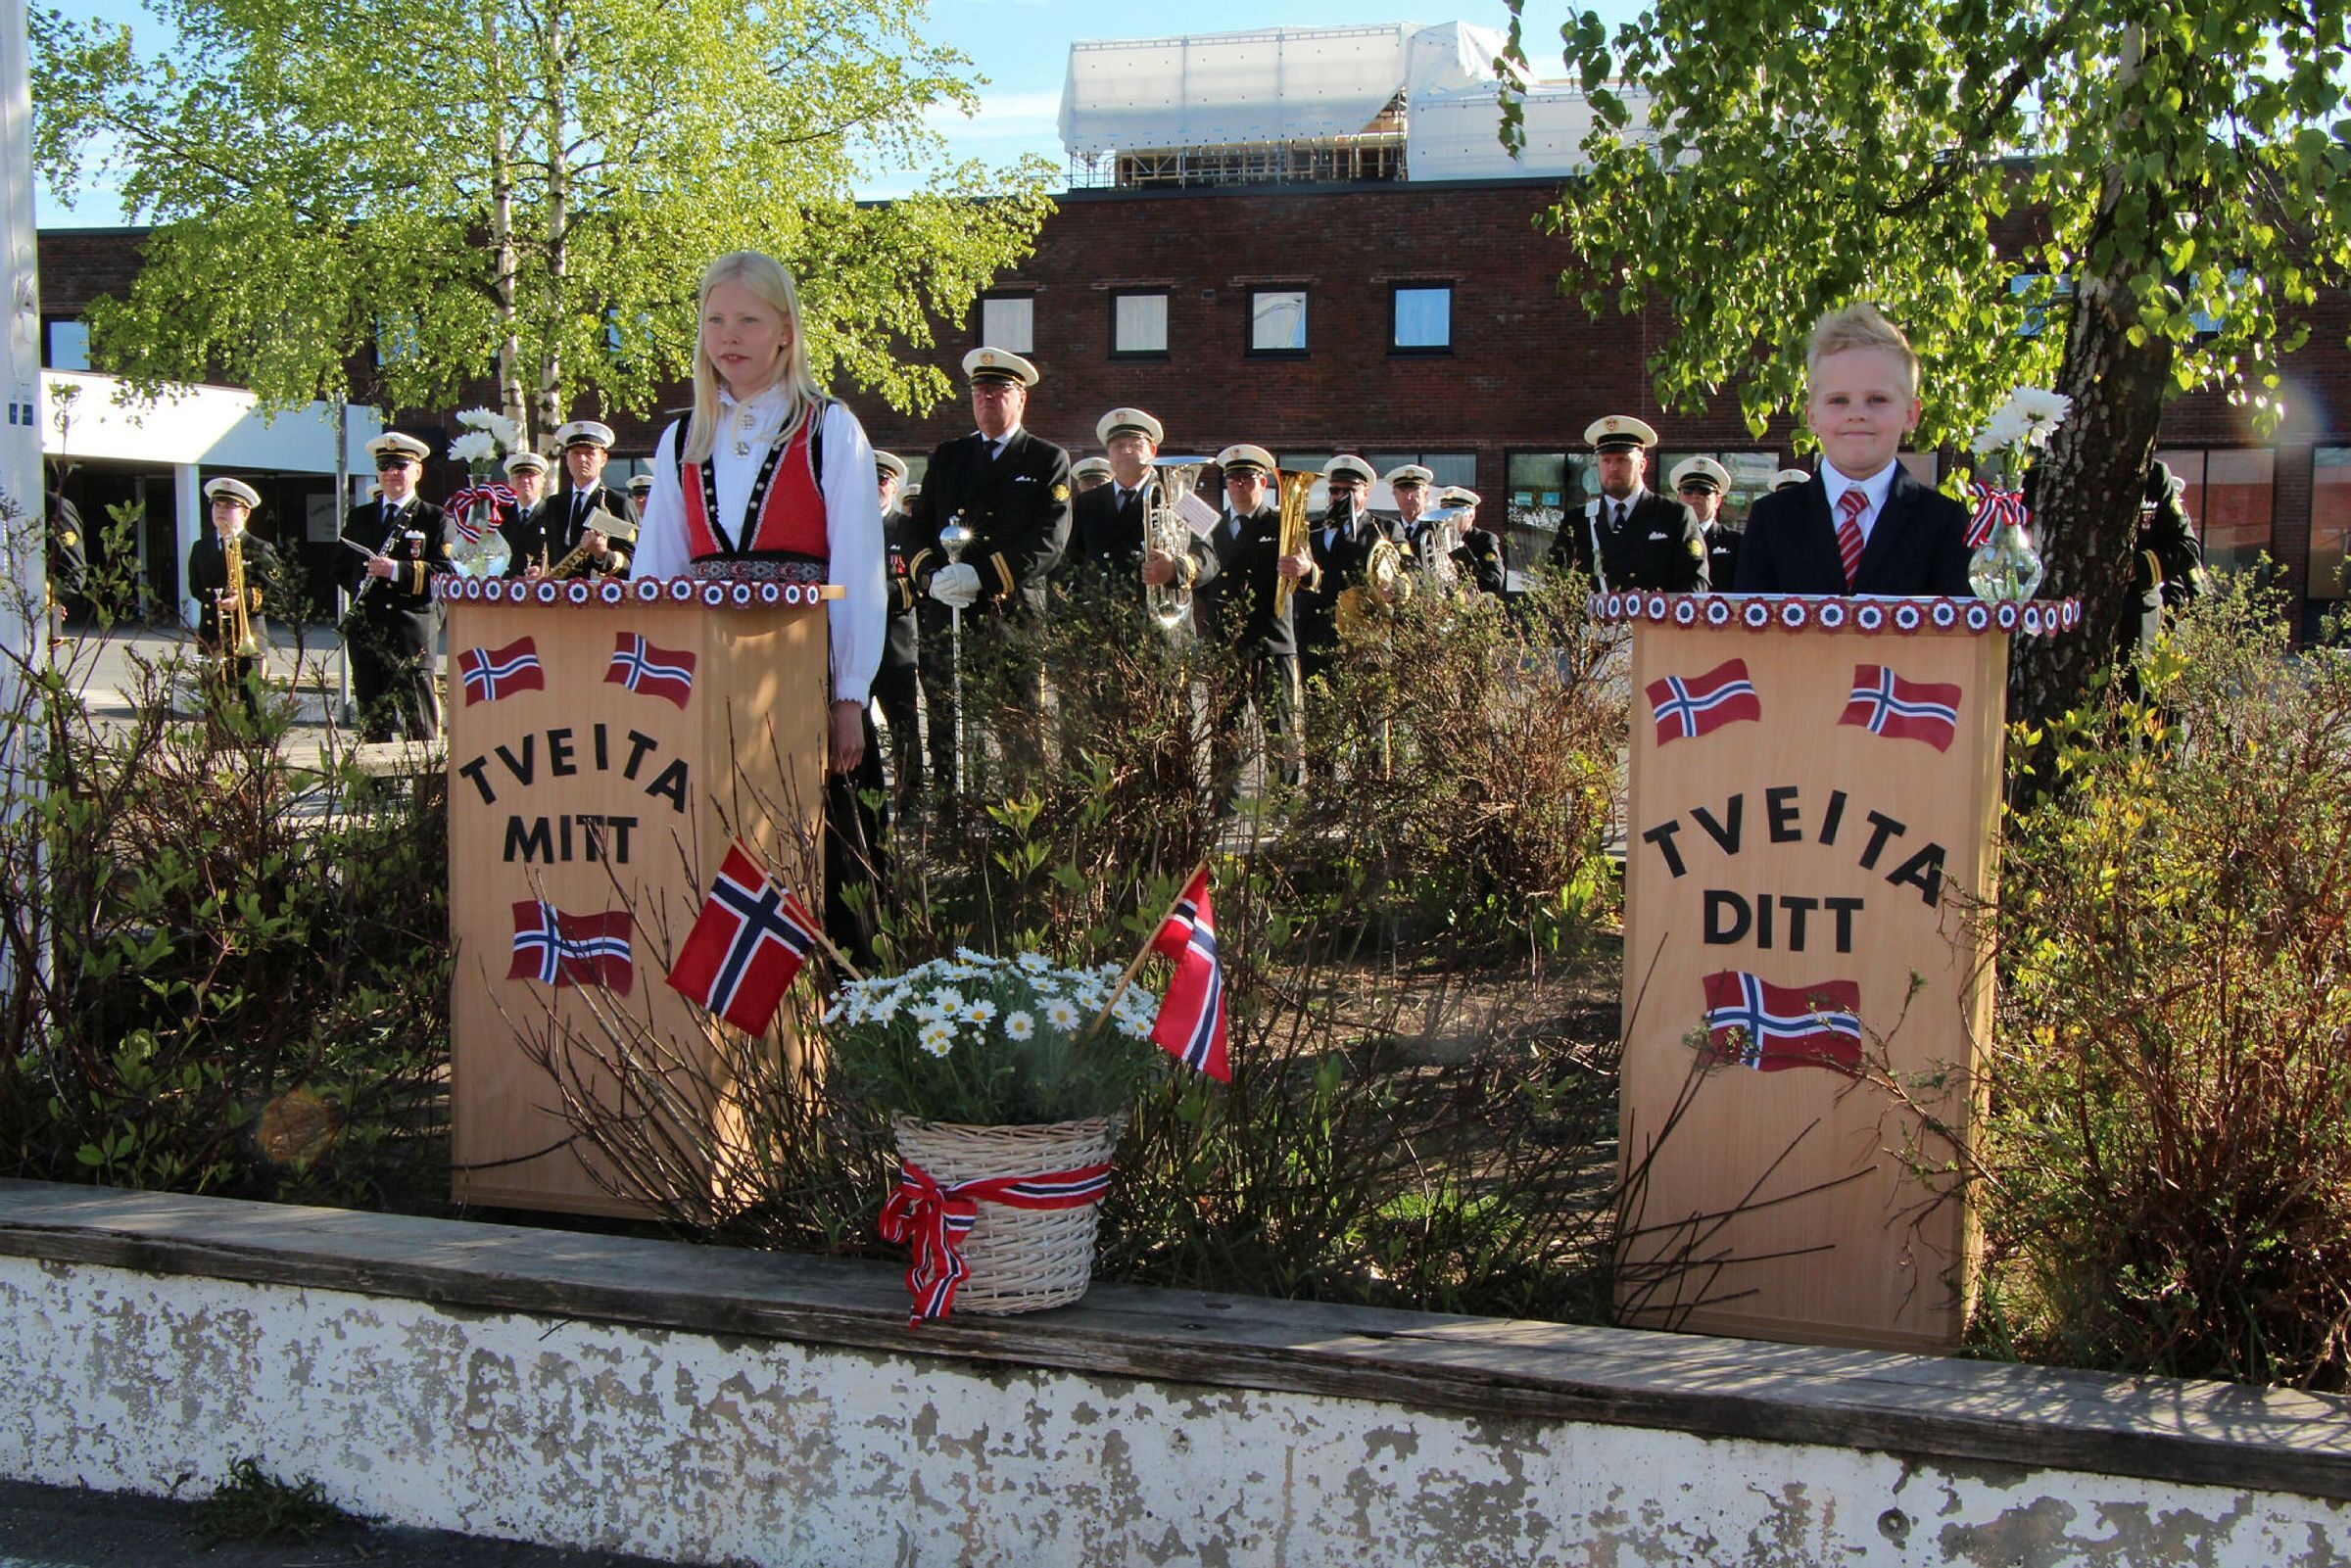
column 1245, row 458
column 1790, row 478
column 1349, row 466
column 1458, row 496
column 998, row 365
column 1701, row 473
column 233, row 490
column 1119, row 421
column 640, row 485
column 890, row 463
column 525, row 462
column 395, row 444
column 1619, row 432
column 1410, row 474
column 1083, row 468
column 585, row 433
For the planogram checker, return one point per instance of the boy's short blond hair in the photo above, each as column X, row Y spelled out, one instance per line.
column 1861, row 326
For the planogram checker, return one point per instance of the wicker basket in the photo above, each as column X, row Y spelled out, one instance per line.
column 1021, row 1259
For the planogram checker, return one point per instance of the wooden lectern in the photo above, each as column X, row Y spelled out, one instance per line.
column 606, row 741
column 1812, row 826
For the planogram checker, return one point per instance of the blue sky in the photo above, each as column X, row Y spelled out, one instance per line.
column 1022, row 48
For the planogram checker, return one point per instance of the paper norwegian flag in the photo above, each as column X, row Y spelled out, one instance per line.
column 559, row 949
column 1752, row 1024
column 1688, row 707
column 1884, row 704
column 747, row 945
column 493, row 672
column 648, row 668
column 1191, row 1016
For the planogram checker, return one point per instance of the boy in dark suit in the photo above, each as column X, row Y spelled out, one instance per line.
column 1861, row 525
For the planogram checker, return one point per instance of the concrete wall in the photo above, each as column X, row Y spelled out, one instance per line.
column 706, row 1436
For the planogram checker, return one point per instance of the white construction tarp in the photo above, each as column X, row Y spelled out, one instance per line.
column 1279, row 84
column 1456, row 135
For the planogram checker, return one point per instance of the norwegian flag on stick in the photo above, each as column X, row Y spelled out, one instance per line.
column 1752, row 1024
column 1687, row 707
column 746, row 946
column 650, row 669
column 1884, row 704
column 559, row 949
column 493, row 672
column 1191, row 1016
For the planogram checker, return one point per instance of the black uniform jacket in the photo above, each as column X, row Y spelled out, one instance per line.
column 602, row 508
column 208, row 573
column 1233, row 598
column 900, row 638
column 1722, row 555
column 525, row 531
column 1018, row 506
column 1106, row 535
column 1917, row 546
column 1482, row 562
column 1341, row 551
column 403, row 603
column 1660, row 550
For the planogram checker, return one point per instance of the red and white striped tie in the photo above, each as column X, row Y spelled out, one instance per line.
column 1852, row 504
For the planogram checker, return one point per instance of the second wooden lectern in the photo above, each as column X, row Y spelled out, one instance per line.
column 1811, row 834
column 606, row 743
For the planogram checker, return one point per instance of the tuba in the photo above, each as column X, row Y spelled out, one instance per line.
column 1165, row 531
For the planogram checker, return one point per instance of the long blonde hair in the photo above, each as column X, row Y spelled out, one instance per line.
column 771, row 282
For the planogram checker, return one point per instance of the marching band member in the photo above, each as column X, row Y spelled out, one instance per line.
column 1701, row 483
column 398, row 548
column 898, row 686
column 1627, row 537
column 524, row 524
column 1237, row 605
column 590, row 512
column 1089, row 473
column 1341, row 545
column 1106, row 520
column 232, row 504
column 1479, row 552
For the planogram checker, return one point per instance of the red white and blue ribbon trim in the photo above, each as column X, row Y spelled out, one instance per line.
column 1818, row 612
column 484, row 498
column 577, row 592
column 932, row 1221
column 1993, row 507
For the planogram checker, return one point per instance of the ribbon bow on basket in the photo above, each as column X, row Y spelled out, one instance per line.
column 931, row 1222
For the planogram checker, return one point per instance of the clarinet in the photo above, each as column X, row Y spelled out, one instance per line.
column 359, row 595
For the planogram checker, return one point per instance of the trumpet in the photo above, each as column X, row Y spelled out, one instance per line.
column 233, row 610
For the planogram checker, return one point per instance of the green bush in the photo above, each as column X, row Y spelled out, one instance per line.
column 2164, row 1158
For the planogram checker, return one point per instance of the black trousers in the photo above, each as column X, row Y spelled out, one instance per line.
column 900, row 690
column 853, row 852
column 393, row 680
column 1268, row 682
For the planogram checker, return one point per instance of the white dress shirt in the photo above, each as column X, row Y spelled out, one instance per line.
column 853, row 521
column 1873, row 490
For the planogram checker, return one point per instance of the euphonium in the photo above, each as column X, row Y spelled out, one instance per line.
column 236, row 616
column 1165, row 531
column 1440, row 537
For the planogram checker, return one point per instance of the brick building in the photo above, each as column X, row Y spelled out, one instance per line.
column 1279, row 268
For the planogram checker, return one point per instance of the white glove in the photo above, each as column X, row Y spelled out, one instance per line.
column 957, row 585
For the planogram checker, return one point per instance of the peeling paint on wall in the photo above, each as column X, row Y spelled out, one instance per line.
column 705, row 1449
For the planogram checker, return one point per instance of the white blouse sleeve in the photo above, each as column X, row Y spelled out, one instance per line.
column 854, row 526
column 661, row 529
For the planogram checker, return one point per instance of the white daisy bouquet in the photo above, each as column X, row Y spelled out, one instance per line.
column 2017, row 429
column 994, row 1041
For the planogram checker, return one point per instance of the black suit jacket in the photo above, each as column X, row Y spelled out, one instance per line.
column 1660, row 550
column 1234, row 597
column 525, row 531
column 900, row 641
column 1917, row 546
column 1018, row 506
column 1341, row 557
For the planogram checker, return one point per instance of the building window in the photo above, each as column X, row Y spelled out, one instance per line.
column 2330, row 522
column 1750, row 477
column 1008, row 321
column 1449, row 468
column 1139, row 323
column 1421, row 318
column 1277, row 320
column 66, row 344
column 2230, row 496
